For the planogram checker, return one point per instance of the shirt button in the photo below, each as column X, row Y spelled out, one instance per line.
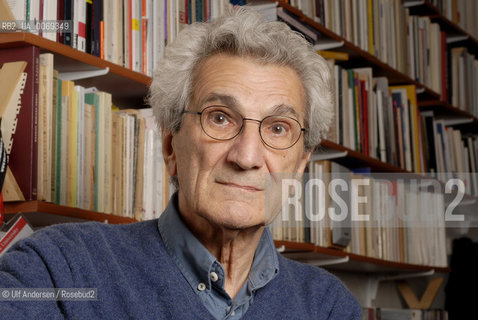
column 201, row 287
column 214, row 276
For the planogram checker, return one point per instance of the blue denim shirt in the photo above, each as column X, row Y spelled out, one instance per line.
column 205, row 274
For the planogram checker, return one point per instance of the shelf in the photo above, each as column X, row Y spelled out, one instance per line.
column 428, row 9
column 356, row 263
column 442, row 108
column 41, row 214
column 359, row 57
column 356, row 159
column 127, row 87
column 38, row 210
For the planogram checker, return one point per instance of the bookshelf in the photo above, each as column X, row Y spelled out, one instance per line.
column 129, row 88
column 308, row 252
column 47, row 210
column 359, row 57
column 427, row 100
column 71, row 59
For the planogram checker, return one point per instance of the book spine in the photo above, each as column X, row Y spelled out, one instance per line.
column 23, row 156
column 67, row 15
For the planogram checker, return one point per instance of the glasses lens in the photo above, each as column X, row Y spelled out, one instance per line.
column 280, row 132
column 221, row 123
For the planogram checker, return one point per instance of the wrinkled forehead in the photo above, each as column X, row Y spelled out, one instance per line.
column 284, row 82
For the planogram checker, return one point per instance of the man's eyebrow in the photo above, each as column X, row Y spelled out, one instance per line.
column 284, row 109
column 231, row 102
column 227, row 100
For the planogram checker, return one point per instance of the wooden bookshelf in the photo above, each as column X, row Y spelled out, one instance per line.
column 72, row 214
column 359, row 57
column 428, row 9
column 357, row 263
column 127, row 87
column 446, row 109
column 355, row 159
column 41, row 214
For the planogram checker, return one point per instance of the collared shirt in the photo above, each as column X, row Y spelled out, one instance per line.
column 206, row 275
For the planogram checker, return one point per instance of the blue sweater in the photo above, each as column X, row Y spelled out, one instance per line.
column 137, row 279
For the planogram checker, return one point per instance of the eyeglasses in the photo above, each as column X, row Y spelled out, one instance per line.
column 223, row 123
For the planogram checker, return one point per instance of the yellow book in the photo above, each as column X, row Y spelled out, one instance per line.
column 106, row 173
column 45, row 107
column 68, row 91
column 73, row 150
column 335, row 55
column 370, row 26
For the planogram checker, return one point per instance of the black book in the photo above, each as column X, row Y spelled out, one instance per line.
column 96, row 27
column 68, row 15
column 89, row 26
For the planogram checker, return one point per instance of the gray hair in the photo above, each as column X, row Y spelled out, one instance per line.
column 245, row 33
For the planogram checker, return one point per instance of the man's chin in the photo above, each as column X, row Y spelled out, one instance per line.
column 235, row 221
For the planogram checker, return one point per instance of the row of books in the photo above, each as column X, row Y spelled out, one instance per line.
column 385, row 122
column 131, row 33
column 379, row 216
column 376, row 119
column 451, row 153
column 403, row 314
column 92, row 155
column 460, row 12
column 464, row 80
column 410, row 44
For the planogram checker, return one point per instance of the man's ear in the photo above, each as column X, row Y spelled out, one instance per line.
column 168, row 152
column 303, row 163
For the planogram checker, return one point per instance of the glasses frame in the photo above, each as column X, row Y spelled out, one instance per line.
column 302, row 129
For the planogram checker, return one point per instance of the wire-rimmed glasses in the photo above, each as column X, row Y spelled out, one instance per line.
column 223, row 123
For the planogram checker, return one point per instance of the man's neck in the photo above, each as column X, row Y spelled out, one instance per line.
column 234, row 249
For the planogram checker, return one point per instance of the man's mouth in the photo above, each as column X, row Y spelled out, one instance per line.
column 240, row 186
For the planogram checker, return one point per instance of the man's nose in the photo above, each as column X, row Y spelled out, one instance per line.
column 247, row 149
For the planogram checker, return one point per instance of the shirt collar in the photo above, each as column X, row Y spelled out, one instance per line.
column 196, row 262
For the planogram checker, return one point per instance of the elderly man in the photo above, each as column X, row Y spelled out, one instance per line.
column 240, row 101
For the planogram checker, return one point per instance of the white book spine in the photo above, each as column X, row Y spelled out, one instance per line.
column 65, row 105
column 81, row 145
column 108, row 183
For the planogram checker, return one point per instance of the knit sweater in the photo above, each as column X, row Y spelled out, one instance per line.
column 137, row 279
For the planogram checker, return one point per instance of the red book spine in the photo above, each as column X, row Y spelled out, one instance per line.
column 12, row 233
column 60, row 15
column 23, row 160
column 360, row 85
column 144, row 26
column 365, row 117
column 130, row 31
column 444, row 69
column 41, row 16
column 208, row 10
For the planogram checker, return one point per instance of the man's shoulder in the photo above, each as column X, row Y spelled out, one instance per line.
column 311, row 284
column 89, row 235
column 300, row 271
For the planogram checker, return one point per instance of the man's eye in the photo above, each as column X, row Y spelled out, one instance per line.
column 219, row 118
column 278, row 129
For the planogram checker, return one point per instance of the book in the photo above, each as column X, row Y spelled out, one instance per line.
column 23, row 155
column 335, row 55
column 310, row 34
column 17, row 228
column 45, row 112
